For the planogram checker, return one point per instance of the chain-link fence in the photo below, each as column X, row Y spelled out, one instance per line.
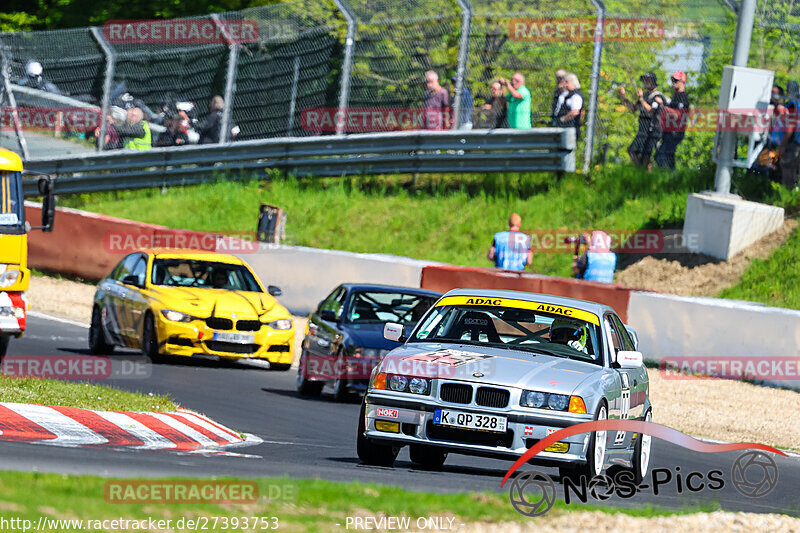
column 322, row 67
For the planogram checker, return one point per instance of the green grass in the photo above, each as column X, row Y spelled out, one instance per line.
column 447, row 218
column 299, row 505
column 84, row 395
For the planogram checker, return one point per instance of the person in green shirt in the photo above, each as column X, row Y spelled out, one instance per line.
column 519, row 102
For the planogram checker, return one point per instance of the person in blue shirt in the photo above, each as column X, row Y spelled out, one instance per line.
column 599, row 262
column 511, row 250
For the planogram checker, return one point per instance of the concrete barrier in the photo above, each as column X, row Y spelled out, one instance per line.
column 442, row 278
column 674, row 326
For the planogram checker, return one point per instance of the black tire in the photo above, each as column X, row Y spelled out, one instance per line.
column 281, row 367
column 641, row 463
column 369, row 451
column 150, row 339
column 429, row 457
column 97, row 340
column 4, row 345
column 340, row 391
column 304, row 386
column 590, row 468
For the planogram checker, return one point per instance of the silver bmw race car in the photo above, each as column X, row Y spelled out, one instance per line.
column 488, row 372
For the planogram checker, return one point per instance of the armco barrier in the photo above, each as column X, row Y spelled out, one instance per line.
column 79, row 246
column 443, row 278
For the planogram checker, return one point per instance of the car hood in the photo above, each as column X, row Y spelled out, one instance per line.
column 369, row 336
column 206, row 302
column 496, row 366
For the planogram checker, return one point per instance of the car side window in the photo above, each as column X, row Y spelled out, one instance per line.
column 627, row 342
column 335, row 301
column 125, row 267
column 139, row 269
column 615, row 342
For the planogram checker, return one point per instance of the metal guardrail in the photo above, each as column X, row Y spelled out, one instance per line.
column 536, row 150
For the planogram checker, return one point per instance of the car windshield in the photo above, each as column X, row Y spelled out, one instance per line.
column 538, row 328
column 205, row 274
column 12, row 216
column 380, row 307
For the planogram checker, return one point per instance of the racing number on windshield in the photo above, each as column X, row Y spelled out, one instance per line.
column 625, row 408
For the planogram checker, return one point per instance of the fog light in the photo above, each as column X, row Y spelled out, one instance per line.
column 388, row 427
column 558, row 447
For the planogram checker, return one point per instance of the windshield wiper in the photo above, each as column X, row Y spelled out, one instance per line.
column 540, row 351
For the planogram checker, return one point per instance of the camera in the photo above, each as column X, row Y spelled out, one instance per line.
column 579, row 240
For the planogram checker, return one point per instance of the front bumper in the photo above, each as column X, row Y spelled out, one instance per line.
column 197, row 339
column 525, row 427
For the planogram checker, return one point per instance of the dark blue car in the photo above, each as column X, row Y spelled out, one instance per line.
column 344, row 338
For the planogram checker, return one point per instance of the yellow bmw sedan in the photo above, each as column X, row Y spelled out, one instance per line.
column 190, row 303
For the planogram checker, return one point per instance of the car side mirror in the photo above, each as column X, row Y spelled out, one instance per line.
column 393, row 332
column 131, row 279
column 628, row 359
column 634, row 336
column 327, row 315
column 274, row 291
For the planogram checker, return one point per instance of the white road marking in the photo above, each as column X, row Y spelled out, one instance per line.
column 39, row 314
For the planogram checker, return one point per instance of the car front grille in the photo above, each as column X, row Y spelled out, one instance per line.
column 219, row 323
column 279, row 348
column 469, row 436
column 232, row 347
column 248, row 325
column 455, row 393
column 491, row 397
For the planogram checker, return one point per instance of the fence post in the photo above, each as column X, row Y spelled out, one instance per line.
column 347, row 66
column 230, row 79
column 105, row 105
column 463, row 51
column 594, row 87
column 293, row 102
column 12, row 102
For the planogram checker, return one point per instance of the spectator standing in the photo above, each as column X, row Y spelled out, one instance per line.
column 436, row 104
column 649, row 104
column 789, row 151
column 675, row 119
column 598, row 262
column 497, row 108
column 568, row 112
column 177, row 132
column 33, row 79
column 466, row 106
column 519, row 102
column 511, row 250
column 134, row 132
column 557, row 92
column 211, row 128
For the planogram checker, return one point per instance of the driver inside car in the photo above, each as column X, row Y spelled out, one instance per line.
column 570, row 333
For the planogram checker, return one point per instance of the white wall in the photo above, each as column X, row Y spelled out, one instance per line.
column 710, row 327
column 307, row 275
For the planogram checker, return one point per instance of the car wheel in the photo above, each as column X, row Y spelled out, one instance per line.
column 641, row 453
column 97, row 340
column 369, row 451
column 428, row 457
column 304, row 386
column 280, row 366
column 150, row 339
column 595, row 453
column 340, row 390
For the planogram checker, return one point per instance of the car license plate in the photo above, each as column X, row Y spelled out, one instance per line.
column 238, row 338
column 460, row 419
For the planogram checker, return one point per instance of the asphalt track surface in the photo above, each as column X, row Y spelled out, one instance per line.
column 315, row 438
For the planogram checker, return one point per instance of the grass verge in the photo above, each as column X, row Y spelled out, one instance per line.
column 304, row 505
column 449, row 218
column 84, row 395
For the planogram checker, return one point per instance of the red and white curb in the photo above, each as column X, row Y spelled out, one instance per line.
column 182, row 431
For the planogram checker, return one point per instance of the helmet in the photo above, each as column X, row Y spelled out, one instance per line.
column 569, row 332
column 33, row 68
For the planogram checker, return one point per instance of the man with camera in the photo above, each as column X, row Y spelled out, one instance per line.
column 598, row 262
column 649, row 103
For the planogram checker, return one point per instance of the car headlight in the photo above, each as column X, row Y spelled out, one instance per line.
column 281, row 324
column 16, row 312
column 9, row 278
column 407, row 384
column 556, row 402
column 176, row 316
